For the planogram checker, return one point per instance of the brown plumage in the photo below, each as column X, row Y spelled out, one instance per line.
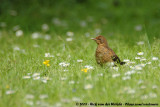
column 105, row 54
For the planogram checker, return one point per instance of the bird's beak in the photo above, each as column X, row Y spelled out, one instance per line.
column 93, row 38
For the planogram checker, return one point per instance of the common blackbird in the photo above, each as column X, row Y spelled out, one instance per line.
column 104, row 53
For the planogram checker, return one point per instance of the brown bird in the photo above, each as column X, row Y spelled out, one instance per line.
column 104, row 53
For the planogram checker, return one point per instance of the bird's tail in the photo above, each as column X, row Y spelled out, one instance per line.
column 122, row 63
column 116, row 59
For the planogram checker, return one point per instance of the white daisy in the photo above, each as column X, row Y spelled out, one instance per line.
column 130, row 72
column 89, row 66
column 26, row 77
column 43, row 96
column 126, row 60
column 155, row 58
column 138, row 27
column 35, row 35
column 10, row 92
column 70, row 33
column 45, row 27
column 15, row 28
column 88, row 86
column 63, row 64
column 71, row 82
column 153, row 95
column 35, row 74
column 19, row 33
column 47, row 37
column 126, row 78
column 29, row 96
column 140, row 53
column 144, row 97
column 76, row 99
column 140, row 43
column 79, row 60
column 137, row 57
column 115, row 75
column 48, row 55
column 69, row 39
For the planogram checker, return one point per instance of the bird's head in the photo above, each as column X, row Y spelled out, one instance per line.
column 100, row 40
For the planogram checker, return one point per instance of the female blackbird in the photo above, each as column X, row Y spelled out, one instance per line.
column 103, row 53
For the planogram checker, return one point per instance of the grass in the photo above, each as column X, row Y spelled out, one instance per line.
column 64, row 86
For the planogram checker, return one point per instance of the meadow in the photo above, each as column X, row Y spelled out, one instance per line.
column 47, row 57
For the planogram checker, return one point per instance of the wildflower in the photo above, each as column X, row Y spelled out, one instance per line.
column 69, row 39
column 35, row 74
column 71, row 82
column 19, row 33
column 26, row 77
column 63, row 64
column 115, row 68
column 144, row 97
column 70, row 33
column 143, row 59
column 87, row 34
column 110, row 64
column 16, row 48
column 63, row 78
column 148, row 63
column 138, row 67
column 153, row 95
column 10, row 92
column 131, row 91
column 88, row 86
column 85, row 70
column 126, row 78
column 15, row 28
column 76, row 99
column 29, row 96
column 47, row 37
column 46, row 62
column 154, row 87
column 130, row 72
column 43, row 96
column 48, row 55
column 29, row 103
column 140, row 53
column 79, row 60
column 137, row 58
column 45, row 27
column 35, row 35
column 140, row 43
column 83, row 23
column 36, row 78
column 126, row 60
column 7, row 86
column 35, row 45
column 98, row 31
column 101, row 74
column 89, row 67
column 115, row 75
column 140, row 82
column 155, row 58
column 65, row 100
column 13, row 13
column 3, row 24
column 143, row 87
column 138, row 27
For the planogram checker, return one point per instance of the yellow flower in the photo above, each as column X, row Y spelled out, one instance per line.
column 46, row 62
column 7, row 86
column 85, row 70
